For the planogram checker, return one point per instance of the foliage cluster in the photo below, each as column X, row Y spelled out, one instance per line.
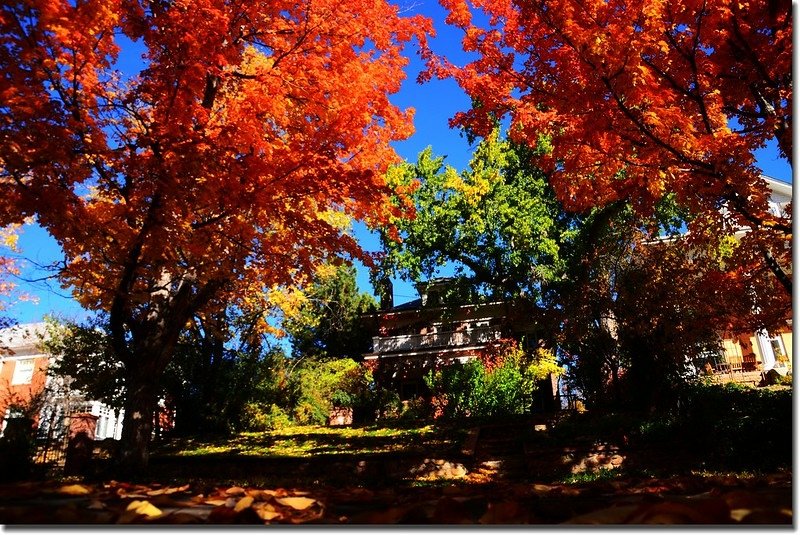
column 497, row 223
column 642, row 99
column 626, row 299
column 501, row 383
column 304, row 392
column 330, row 321
column 216, row 166
column 723, row 427
column 738, row 426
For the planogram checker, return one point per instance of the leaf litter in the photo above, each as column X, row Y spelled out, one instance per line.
column 665, row 501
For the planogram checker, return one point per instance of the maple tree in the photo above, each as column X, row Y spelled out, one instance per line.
column 638, row 314
column 642, row 98
column 8, row 269
column 218, row 170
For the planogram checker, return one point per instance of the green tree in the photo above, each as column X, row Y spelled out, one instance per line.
column 616, row 289
column 221, row 365
column 331, row 322
column 85, row 359
column 498, row 223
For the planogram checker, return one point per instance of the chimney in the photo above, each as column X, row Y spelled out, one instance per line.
column 386, row 293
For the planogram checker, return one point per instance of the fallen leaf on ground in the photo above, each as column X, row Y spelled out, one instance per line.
column 296, row 502
column 144, row 508
column 266, row 511
column 768, row 516
column 167, row 490
column 451, row 511
column 702, row 512
column 74, row 490
column 609, row 515
column 261, row 494
column 392, row 515
column 180, row 517
column 543, row 489
column 96, row 504
column 235, row 491
column 243, row 504
column 504, row 513
column 742, row 499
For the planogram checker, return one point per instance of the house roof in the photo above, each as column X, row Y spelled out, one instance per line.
column 23, row 336
column 410, row 305
column 778, row 186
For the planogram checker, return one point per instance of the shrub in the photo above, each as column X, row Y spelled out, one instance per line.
column 739, row 426
column 321, row 385
column 388, row 404
column 255, row 418
column 500, row 383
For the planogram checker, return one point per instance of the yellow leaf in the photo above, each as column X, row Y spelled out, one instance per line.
column 296, row 502
column 167, row 490
column 243, row 504
column 235, row 491
column 144, row 508
column 74, row 490
column 266, row 511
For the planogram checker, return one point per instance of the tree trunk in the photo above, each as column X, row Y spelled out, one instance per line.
column 137, row 424
column 146, row 354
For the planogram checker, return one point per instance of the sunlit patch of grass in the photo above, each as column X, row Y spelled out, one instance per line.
column 714, row 474
column 591, row 477
column 312, row 440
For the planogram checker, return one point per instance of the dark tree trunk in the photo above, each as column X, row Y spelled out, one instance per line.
column 145, row 345
column 137, row 425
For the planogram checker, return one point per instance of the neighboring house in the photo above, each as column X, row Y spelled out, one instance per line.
column 419, row 336
column 745, row 356
column 416, row 337
column 27, row 390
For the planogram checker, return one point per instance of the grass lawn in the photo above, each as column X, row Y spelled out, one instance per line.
column 314, row 441
column 361, row 475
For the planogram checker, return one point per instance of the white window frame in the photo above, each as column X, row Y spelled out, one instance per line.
column 778, row 340
column 23, row 376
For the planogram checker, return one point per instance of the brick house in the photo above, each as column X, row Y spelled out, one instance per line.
column 416, row 337
column 23, row 368
column 27, row 390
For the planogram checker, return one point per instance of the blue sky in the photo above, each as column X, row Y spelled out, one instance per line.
column 435, row 103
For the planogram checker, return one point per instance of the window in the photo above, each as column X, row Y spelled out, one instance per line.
column 778, row 349
column 23, row 372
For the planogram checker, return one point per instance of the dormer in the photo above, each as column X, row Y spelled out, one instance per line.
column 433, row 292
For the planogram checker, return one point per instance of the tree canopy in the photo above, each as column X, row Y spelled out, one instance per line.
column 497, row 223
column 642, row 98
column 222, row 168
column 330, row 322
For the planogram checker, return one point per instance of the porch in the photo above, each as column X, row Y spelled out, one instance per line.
column 452, row 339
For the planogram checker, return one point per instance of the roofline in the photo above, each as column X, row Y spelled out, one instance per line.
column 777, row 184
column 442, row 350
column 432, row 309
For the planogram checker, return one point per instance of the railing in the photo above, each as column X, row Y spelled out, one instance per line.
column 409, row 342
